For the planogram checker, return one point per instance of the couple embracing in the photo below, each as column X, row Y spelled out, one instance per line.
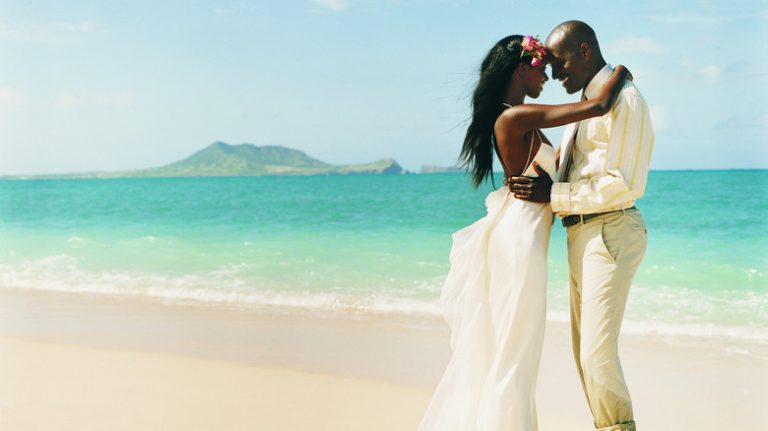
column 494, row 297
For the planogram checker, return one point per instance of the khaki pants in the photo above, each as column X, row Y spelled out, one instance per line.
column 603, row 256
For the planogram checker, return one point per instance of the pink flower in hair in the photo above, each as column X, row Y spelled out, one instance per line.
column 529, row 43
column 533, row 48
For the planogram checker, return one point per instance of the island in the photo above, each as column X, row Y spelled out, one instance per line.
column 220, row 159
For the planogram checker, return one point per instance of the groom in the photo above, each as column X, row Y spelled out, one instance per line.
column 603, row 170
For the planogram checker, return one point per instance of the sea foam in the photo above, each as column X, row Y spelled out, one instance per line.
column 226, row 286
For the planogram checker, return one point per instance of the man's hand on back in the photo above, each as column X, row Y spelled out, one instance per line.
column 536, row 189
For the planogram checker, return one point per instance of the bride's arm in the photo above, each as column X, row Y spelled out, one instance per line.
column 531, row 116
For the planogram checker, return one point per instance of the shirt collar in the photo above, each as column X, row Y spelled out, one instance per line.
column 597, row 81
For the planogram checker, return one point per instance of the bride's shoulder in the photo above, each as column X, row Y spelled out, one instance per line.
column 508, row 118
column 511, row 113
column 503, row 121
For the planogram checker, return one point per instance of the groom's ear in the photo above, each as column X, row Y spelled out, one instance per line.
column 585, row 51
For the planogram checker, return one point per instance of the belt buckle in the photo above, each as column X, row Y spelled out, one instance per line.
column 573, row 220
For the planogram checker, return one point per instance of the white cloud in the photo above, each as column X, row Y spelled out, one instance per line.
column 711, row 72
column 44, row 29
column 10, row 96
column 634, row 45
column 688, row 19
column 658, row 117
column 119, row 101
column 68, row 102
column 334, row 5
column 111, row 101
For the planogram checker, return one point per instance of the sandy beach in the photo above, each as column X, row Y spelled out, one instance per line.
column 99, row 362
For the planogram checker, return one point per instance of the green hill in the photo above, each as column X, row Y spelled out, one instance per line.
column 222, row 159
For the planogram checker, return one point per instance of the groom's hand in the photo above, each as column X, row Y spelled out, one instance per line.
column 532, row 189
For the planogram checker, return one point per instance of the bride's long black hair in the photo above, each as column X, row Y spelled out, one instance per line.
column 495, row 73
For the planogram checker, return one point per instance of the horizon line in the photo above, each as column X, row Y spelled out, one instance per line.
column 65, row 176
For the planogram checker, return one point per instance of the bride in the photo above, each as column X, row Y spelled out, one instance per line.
column 494, row 297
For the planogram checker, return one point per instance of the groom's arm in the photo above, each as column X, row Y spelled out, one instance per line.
column 627, row 159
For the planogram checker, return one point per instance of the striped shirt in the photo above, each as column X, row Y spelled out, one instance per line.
column 611, row 155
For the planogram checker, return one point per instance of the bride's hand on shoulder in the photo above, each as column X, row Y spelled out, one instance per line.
column 611, row 89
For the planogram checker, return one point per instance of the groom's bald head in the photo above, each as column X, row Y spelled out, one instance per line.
column 574, row 54
column 572, row 34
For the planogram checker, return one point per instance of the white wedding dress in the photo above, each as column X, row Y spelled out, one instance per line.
column 494, row 300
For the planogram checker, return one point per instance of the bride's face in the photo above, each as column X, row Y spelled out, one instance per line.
column 534, row 79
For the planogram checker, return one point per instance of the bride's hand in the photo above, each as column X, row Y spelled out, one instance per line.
column 611, row 89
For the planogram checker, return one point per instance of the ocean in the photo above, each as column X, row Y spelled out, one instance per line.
column 370, row 244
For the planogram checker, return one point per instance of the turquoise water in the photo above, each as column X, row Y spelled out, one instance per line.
column 369, row 243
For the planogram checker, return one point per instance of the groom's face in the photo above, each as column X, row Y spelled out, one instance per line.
column 567, row 65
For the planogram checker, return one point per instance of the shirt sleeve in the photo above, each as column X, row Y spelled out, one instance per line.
column 628, row 153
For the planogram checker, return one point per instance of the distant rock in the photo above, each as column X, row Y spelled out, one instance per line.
column 383, row 166
column 430, row 169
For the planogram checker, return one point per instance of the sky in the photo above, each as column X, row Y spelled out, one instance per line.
column 104, row 86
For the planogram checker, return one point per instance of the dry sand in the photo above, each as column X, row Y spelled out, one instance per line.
column 76, row 362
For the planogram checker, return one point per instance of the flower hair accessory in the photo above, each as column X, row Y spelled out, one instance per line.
column 533, row 48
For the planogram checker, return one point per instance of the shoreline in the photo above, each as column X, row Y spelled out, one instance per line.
column 750, row 340
column 272, row 356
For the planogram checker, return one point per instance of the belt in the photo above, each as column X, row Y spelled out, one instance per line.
column 583, row 218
